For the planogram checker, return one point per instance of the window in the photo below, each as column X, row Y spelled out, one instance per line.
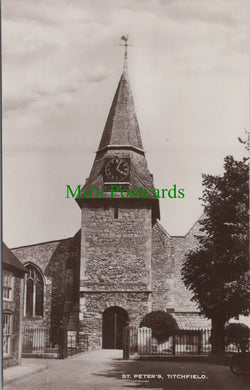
column 8, row 280
column 33, row 306
column 6, row 334
column 116, row 212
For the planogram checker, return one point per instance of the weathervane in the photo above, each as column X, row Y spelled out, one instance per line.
column 125, row 39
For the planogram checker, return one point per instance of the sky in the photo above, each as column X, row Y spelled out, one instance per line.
column 61, row 63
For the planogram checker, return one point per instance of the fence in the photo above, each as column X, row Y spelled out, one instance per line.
column 37, row 342
column 184, row 342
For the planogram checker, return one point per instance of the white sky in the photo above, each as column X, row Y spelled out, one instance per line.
column 188, row 69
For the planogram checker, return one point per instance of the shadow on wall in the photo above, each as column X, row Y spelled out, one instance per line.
column 64, row 271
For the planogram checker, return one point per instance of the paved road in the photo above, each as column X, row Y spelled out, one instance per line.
column 104, row 370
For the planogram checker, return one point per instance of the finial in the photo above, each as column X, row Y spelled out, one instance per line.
column 125, row 39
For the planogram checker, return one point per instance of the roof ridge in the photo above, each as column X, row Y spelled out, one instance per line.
column 163, row 230
column 41, row 243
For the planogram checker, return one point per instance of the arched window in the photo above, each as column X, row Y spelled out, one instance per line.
column 33, row 292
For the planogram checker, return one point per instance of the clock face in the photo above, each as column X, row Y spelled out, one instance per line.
column 117, row 169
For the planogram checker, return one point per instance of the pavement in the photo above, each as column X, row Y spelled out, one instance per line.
column 25, row 369
column 105, row 370
column 100, row 355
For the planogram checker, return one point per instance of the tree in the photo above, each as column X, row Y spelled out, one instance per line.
column 237, row 334
column 217, row 271
column 162, row 324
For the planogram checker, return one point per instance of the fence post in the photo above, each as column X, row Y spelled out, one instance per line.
column 199, row 342
column 126, row 343
column 173, row 344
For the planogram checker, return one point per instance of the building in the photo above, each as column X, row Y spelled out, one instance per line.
column 121, row 264
column 13, row 287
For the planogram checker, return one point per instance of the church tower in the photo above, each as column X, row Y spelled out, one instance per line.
column 116, row 228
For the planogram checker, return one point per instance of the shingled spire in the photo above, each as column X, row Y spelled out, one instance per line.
column 121, row 139
column 122, row 126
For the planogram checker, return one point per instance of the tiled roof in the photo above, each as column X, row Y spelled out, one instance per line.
column 10, row 259
column 188, row 320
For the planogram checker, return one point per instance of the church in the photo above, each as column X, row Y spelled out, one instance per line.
column 121, row 264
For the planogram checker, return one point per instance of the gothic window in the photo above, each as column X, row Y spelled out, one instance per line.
column 6, row 333
column 8, row 280
column 34, row 287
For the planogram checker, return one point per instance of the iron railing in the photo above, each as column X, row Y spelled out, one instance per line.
column 37, row 342
column 183, row 342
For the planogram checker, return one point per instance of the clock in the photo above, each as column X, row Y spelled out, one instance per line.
column 117, row 169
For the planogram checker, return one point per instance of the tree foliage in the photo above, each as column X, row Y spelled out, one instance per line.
column 237, row 334
column 217, row 271
column 162, row 324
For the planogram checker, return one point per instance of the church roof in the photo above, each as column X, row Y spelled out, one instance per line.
column 10, row 260
column 122, row 127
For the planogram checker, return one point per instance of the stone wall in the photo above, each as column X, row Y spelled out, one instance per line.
column 163, row 268
column 115, row 264
column 183, row 245
column 168, row 290
column 40, row 255
column 122, row 259
column 116, row 252
column 53, row 259
column 92, row 306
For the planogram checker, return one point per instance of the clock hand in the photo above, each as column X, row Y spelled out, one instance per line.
column 118, row 166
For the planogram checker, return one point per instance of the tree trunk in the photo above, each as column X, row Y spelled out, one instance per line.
column 217, row 336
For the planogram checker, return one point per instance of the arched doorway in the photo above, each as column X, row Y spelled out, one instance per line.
column 113, row 322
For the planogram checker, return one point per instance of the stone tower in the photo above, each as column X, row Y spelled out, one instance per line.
column 116, row 232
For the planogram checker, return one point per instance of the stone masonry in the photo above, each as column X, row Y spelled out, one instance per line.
column 115, row 263
column 121, row 260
